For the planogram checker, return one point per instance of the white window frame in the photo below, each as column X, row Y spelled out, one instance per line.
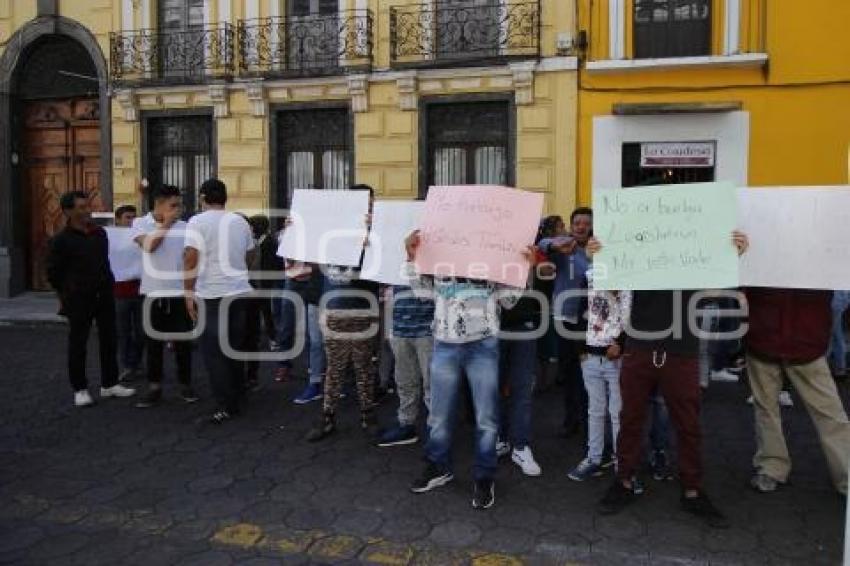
column 617, row 14
column 730, row 131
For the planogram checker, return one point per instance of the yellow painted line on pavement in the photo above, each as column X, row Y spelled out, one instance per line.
column 245, row 535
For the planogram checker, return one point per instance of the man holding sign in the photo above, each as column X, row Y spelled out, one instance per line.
column 662, row 348
column 473, row 241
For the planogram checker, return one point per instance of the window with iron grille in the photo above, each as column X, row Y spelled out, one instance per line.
column 180, row 153
column 636, row 176
column 672, row 28
column 181, row 49
column 468, row 28
column 468, row 143
column 312, row 33
column 314, row 151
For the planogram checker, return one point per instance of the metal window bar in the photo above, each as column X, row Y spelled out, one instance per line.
column 180, row 154
column 672, row 28
column 315, row 44
column 150, row 57
column 464, row 32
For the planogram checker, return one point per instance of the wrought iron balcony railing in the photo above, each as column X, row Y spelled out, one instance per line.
column 323, row 44
column 153, row 57
column 464, row 33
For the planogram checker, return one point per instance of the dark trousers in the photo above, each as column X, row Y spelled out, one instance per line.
column 131, row 336
column 169, row 314
column 569, row 361
column 677, row 379
column 82, row 310
column 258, row 311
column 226, row 373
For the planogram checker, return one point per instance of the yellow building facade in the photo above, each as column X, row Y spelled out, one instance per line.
column 273, row 95
column 758, row 88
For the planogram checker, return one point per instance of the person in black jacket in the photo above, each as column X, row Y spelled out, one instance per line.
column 78, row 268
column 259, row 317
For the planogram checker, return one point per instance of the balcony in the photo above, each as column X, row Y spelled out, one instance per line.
column 150, row 57
column 464, row 34
column 323, row 44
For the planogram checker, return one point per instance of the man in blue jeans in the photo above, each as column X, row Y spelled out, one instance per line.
column 466, row 328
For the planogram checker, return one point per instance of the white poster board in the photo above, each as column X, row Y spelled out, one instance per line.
column 798, row 237
column 385, row 255
column 125, row 255
column 326, row 227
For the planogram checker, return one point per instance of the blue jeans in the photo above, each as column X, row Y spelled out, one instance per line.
column 131, row 335
column 838, row 342
column 284, row 318
column 602, row 381
column 479, row 360
column 518, row 363
column 316, row 345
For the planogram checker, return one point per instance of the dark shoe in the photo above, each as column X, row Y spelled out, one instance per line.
column 151, row 399
column 220, row 417
column 660, row 466
column 398, row 436
column 483, row 494
column 188, row 395
column 369, row 423
column 763, row 483
column 282, row 374
column 432, row 478
column 617, row 498
column 323, row 429
column 313, row 392
column 701, row 507
column 608, row 460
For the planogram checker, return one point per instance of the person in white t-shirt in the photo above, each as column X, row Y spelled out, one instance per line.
column 216, row 276
column 161, row 234
column 125, row 259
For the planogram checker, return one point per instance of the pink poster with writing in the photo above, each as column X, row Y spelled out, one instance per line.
column 479, row 232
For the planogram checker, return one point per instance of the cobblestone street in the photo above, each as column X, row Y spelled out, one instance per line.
column 118, row 485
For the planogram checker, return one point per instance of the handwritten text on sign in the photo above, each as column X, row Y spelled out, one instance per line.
column 666, row 237
column 479, row 232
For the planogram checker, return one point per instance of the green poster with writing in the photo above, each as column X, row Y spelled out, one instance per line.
column 666, row 237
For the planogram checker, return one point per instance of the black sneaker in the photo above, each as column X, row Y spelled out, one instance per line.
column 188, row 395
column 369, row 424
column 617, row 498
column 701, row 507
column 432, row 478
column 483, row 494
column 220, row 417
column 660, row 466
column 323, row 429
column 151, row 399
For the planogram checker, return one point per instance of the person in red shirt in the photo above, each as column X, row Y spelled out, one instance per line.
column 789, row 332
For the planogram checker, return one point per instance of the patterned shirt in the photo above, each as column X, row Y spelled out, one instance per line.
column 413, row 316
column 465, row 310
column 607, row 314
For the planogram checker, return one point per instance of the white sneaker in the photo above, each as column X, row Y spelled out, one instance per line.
column 525, row 460
column 723, row 375
column 82, row 398
column 502, row 449
column 785, row 399
column 750, row 400
column 117, row 391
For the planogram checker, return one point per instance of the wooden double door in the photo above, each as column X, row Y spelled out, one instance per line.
column 60, row 153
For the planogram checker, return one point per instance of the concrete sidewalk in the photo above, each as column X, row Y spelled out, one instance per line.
column 33, row 307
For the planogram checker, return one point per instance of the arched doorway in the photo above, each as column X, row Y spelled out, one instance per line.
column 54, row 115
